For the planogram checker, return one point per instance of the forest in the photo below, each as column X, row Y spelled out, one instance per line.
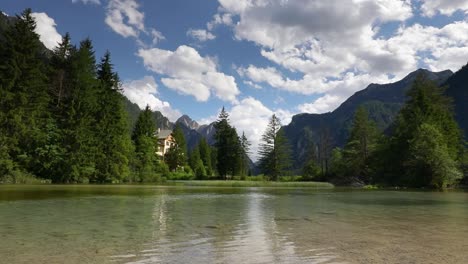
column 63, row 120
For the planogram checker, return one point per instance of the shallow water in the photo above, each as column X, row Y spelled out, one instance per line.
column 147, row 224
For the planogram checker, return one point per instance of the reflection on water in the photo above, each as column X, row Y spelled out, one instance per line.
column 141, row 224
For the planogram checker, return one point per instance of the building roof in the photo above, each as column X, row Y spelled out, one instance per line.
column 164, row 133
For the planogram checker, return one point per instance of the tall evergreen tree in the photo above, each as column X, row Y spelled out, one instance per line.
column 274, row 152
column 79, row 124
column 145, row 142
column 196, row 163
column 23, row 97
column 177, row 154
column 205, row 155
column 244, row 158
column 111, row 123
column 227, row 146
column 361, row 144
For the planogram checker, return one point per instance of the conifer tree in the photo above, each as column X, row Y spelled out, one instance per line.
column 360, row 146
column 145, row 142
column 205, row 155
column 176, row 156
column 23, row 96
column 244, row 158
column 227, row 146
column 111, row 123
column 274, row 152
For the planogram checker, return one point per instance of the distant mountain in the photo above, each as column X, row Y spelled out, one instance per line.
column 383, row 101
column 188, row 122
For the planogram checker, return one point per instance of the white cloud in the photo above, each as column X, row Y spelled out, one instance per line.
column 252, row 84
column 445, row 7
column 144, row 92
column 200, row 34
column 46, row 29
column 96, row 2
column 322, row 104
column 337, row 46
column 156, row 36
column 220, row 19
column 251, row 116
column 189, row 73
column 125, row 18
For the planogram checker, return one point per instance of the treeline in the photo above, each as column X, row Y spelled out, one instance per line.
column 63, row 119
column 62, row 116
column 424, row 147
column 224, row 160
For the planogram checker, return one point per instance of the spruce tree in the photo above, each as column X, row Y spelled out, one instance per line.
column 176, row 156
column 227, row 146
column 114, row 145
column 205, row 155
column 145, row 142
column 244, row 158
column 361, row 144
column 23, row 97
column 274, row 152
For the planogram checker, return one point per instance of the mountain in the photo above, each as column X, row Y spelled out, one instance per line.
column 382, row 101
column 188, row 122
column 457, row 89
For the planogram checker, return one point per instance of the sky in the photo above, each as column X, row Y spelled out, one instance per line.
column 257, row 57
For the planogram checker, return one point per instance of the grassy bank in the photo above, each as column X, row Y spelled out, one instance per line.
column 234, row 183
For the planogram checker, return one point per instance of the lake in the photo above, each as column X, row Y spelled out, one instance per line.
column 149, row 224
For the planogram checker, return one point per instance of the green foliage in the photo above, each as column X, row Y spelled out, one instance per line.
column 176, row 156
column 227, row 147
column 205, row 156
column 428, row 113
column 275, row 154
column 430, row 162
column 360, row 147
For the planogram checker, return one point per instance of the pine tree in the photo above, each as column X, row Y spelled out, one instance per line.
column 227, row 146
column 205, row 155
column 79, row 124
column 244, row 158
column 111, row 123
column 23, row 96
column 274, row 152
column 360, row 146
column 145, row 142
column 196, row 164
column 176, row 156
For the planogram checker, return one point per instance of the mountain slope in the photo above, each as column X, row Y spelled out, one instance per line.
column 457, row 89
column 383, row 101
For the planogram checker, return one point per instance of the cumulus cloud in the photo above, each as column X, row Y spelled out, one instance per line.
column 337, row 46
column 220, row 19
column 144, row 92
column 200, row 34
column 47, row 31
column 96, row 2
column 188, row 73
column 125, row 18
column 445, row 7
column 251, row 116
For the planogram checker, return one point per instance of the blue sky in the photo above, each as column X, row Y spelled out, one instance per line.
column 257, row 57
